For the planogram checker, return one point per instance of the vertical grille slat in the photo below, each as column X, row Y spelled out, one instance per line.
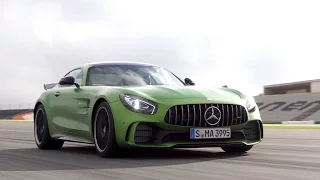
column 182, row 120
column 223, row 116
column 228, row 116
column 232, row 117
column 217, row 106
column 221, row 121
column 244, row 113
column 193, row 115
column 205, row 107
column 240, row 112
column 188, row 115
column 169, row 116
column 176, row 115
column 200, row 114
column 236, row 116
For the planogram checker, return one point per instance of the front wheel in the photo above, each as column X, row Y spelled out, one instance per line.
column 237, row 149
column 104, row 132
column 41, row 131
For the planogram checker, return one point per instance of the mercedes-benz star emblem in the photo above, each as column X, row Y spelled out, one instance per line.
column 212, row 115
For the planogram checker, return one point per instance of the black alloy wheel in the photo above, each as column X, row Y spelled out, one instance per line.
column 104, row 132
column 41, row 131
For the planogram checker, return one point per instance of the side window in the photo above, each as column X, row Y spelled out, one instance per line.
column 78, row 78
column 77, row 74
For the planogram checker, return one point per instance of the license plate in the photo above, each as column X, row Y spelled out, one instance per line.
column 210, row 133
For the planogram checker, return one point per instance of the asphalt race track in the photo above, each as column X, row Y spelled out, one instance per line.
column 284, row 154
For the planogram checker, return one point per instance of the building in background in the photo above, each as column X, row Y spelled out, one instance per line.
column 295, row 101
column 293, row 87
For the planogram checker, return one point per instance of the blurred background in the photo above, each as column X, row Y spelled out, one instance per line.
column 244, row 44
column 268, row 49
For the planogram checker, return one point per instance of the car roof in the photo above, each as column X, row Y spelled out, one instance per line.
column 116, row 63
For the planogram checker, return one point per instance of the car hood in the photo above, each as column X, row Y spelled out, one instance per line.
column 180, row 92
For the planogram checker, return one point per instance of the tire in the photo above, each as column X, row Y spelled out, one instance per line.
column 41, row 131
column 237, row 149
column 104, row 132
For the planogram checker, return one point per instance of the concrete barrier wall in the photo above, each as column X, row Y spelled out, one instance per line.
column 289, row 107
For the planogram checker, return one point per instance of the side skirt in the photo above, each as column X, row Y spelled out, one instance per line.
column 68, row 139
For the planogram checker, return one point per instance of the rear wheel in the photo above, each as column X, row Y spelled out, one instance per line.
column 104, row 132
column 41, row 131
column 237, row 149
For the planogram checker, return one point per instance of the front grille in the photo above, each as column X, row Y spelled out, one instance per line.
column 193, row 115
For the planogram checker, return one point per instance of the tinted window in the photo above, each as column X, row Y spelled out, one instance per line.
column 130, row 75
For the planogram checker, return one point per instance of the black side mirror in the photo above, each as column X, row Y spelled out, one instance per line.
column 188, row 81
column 69, row 80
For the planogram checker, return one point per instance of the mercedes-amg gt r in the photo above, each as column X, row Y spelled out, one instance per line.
column 118, row 105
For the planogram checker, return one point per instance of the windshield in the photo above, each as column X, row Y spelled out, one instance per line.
column 130, row 75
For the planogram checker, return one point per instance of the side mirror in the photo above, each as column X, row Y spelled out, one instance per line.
column 188, row 81
column 69, row 80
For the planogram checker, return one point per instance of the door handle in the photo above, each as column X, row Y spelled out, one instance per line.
column 57, row 93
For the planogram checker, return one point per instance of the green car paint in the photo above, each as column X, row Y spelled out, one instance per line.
column 70, row 111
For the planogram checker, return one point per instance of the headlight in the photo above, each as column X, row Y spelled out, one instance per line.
column 251, row 104
column 138, row 104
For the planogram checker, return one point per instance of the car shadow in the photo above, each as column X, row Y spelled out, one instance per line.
column 85, row 157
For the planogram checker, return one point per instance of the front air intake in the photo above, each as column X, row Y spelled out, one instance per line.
column 251, row 131
column 144, row 133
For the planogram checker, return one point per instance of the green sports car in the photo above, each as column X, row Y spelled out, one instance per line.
column 119, row 105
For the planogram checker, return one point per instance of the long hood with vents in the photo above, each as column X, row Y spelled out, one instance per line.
column 183, row 92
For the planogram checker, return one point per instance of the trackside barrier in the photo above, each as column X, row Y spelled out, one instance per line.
column 17, row 114
column 289, row 107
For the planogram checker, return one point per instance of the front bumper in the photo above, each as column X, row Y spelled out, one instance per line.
column 151, row 131
column 150, row 135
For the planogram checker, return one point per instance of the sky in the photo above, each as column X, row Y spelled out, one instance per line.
column 242, row 44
